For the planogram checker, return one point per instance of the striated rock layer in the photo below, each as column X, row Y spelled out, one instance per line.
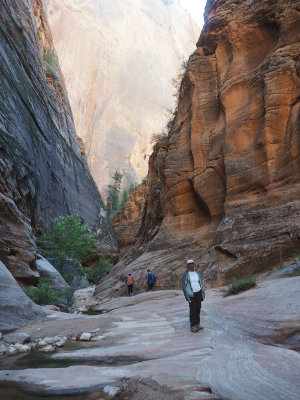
column 224, row 187
column 42, row 173
column 127, row 223
column 118, row 59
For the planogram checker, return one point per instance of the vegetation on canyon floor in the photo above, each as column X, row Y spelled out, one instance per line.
column 43, row 294
column 99, row 270
column 238, row 285
column 70, row 238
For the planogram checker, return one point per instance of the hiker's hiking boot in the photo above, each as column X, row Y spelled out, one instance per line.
column 194, row 329
column 199, row 327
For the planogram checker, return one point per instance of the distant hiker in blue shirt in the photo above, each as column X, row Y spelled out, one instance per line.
column 150, row 280
column 194, row 293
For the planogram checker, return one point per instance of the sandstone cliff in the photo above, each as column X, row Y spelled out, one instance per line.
column 223, row 188
column 118, row 59
column 127, row 223
column 42, row 173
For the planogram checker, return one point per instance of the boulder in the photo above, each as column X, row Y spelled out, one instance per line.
column 72, row 271
column 18, row 337
column 11, row 351
column 47, row 270
column 22, row 348
column 16, row 309
column 86, row 337
column 3, row 349
column 47, row 349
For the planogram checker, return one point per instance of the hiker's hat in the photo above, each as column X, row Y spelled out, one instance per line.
column 190, row 262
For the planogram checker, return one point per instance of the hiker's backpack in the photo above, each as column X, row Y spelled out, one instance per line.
column 152, row 279
column 129, row 280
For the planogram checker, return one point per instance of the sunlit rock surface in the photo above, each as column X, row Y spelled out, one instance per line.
column 42, row 173
column 242, row 353
column 118, row 59
column 224, row 187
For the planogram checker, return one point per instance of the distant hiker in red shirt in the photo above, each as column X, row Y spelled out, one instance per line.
column 130, row 283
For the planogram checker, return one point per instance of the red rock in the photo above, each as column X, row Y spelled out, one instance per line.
column 223, row 188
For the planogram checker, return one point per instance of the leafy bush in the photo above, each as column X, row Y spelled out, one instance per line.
column 239, row 285
column 51, row 63
column 43, row 294
column 99, row 270
column 69, row 239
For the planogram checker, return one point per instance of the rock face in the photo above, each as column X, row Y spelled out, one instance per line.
column 16, row 309
column 118, row 59
column 223, row 188
column 42, row 173
column 46, row 270
column 127, row 223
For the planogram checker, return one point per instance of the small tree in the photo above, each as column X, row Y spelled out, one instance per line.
column 69, row 239
column 99, row 270
column 112, row 204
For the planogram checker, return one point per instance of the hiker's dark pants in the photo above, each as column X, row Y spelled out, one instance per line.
column 150, row 286
column 130, row 289
column 195, row 307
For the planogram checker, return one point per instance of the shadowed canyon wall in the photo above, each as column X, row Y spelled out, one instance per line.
column 42, row 172
column 224, row 188
column 118, row 59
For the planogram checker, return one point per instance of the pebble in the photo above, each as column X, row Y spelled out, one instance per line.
column 96, row 330
column 86, row 336
column 22, row 348
column 3, row 349
column 42, row 343
column 11, row 351
column 1, row 335
column 96, row 338
column 61, row 343
column 47, row 349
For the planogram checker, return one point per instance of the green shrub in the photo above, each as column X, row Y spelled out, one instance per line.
column 69, row 239
column 51, row 63
column 113, row 191
column 99, row 270
column 239, row 285
column 43, row 294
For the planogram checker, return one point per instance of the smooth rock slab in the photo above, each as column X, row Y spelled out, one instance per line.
column 230, row 357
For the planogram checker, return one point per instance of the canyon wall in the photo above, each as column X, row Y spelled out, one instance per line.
column 42, row 172
column 118, row 59
column 224, row 188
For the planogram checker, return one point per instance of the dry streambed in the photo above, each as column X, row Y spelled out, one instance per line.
column 248, row 346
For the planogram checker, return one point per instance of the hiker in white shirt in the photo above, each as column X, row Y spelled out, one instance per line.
column 194, row 293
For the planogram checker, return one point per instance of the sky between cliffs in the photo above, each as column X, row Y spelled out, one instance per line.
column 195, row 8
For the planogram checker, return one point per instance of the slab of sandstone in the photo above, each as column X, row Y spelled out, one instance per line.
column 237, row 352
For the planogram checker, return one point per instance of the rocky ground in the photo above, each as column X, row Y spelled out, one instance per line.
column 144, row 349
